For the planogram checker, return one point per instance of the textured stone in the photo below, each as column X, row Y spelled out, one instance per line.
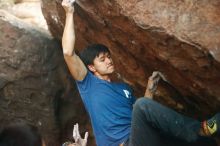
column 27, row 10
column 178, row 38
column 34, row 84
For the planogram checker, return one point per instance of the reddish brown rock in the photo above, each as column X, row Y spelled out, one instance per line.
column 178, row 38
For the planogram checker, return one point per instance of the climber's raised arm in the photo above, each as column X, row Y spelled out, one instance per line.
column 74, row 63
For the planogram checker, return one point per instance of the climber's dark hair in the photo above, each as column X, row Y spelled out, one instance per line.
column 91, row 52
column 20, row 134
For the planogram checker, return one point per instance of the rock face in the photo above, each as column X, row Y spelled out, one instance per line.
column 178, row 38
column 27, row 10
column 34, row 84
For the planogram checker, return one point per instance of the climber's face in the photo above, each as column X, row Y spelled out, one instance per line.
column 102, row 65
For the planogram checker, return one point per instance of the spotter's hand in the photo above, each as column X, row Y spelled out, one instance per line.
column 78, row 140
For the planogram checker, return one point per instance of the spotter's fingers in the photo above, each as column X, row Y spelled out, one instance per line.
column 86, row 136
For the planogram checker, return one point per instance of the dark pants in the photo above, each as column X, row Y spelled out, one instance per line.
column 151, row 121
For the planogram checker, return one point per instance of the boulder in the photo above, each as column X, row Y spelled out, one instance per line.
column 179, row 39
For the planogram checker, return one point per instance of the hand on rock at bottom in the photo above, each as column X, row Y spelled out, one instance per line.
column 78, row 140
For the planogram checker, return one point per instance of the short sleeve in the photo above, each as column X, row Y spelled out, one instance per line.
column 85, row 84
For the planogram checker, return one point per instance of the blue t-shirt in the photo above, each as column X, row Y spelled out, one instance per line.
column 110, row 108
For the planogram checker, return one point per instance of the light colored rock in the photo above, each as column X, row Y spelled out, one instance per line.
column 30, row 12
column 193, row 22
column 27, row 10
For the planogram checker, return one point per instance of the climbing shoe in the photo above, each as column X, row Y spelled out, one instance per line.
column 212, row 126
